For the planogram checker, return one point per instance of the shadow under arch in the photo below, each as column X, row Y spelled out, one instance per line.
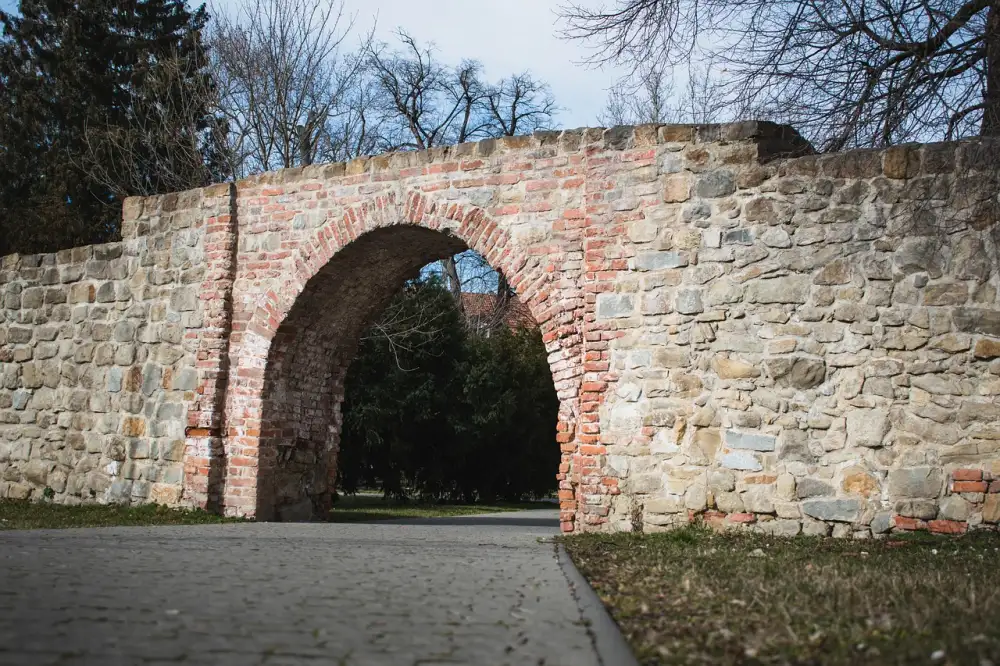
column 302, row 342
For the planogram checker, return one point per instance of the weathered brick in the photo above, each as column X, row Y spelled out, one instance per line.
column 947, row 526
column 969, row 486
column 967, row 475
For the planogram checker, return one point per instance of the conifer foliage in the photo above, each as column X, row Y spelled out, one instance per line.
column 100, row 99
column 441, row 412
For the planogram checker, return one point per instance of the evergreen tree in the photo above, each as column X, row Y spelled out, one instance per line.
column 448, row 414
column 505, row 417
column 398, row 394
column 100, row 99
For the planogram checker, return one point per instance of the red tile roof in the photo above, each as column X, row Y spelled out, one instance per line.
column 482, row 310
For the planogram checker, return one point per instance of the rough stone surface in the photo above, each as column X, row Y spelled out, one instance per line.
column 475, row 590
column 684, row 290
column 867, row 427
column 858, row 481
column 955, row 508
column 916, row 508
column 813, row 488
column 797, row 372
column 991, row 509
column 741, row 460
column 753, row 441
column 915, row 482
column 841, row 510
column 882, row 522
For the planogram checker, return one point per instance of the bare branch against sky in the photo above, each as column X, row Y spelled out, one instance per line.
column 845, row 73
column 465, row 29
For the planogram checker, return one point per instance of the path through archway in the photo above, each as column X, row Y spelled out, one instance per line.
column 291, row 354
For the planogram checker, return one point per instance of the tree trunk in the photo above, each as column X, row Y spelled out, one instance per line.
column 502, row 303
column 991, row 99
column 305, row 145
column 503, row 288
column 454, row 285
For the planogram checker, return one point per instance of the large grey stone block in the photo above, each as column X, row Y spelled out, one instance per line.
column 651, row 261
column 613, row 306
column 915, row 482
column 840, row 510
column 749, row 440
column 789, row 289
column 807, row 488
column 741, row 460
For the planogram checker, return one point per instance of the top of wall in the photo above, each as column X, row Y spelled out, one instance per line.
column 773, row 140
column 146, row 216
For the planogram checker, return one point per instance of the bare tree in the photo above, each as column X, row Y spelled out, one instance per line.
column 845, row 72
column 436, row 104
column 450, row 269
column 410, row 84
column 285, row 84
column 404, row 329
column 650, row 96
column 700, row 102
column 637, row 102
column 493, row 299
column 167, row 107
column 519, row 104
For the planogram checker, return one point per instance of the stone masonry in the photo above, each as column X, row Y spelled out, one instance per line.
column 739, row 331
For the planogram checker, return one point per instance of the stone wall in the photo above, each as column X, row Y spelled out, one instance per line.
column 98, row 357
column 809, row 344
column 739, row 332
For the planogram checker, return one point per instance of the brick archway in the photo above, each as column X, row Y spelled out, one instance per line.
column 291, row 347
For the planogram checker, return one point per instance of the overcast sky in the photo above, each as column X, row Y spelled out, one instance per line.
column 507, row 36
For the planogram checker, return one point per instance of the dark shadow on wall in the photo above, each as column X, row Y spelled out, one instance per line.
column 217, row 461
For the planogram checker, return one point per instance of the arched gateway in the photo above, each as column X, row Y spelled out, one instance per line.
column 302, row 315
column 739, row 331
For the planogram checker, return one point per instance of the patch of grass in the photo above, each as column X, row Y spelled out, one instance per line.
column 22, row 515
column 696, row 597
column 364, row 508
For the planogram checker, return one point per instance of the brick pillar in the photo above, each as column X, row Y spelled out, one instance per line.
column 204, row 460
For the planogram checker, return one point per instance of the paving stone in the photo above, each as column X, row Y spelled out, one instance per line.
column 475, row 590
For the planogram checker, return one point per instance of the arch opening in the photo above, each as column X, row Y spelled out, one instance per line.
column 308, row 359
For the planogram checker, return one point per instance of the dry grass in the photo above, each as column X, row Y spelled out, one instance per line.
column 20, row 515
column 696, row 597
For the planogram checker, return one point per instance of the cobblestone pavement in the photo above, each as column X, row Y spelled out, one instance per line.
column 474, row 590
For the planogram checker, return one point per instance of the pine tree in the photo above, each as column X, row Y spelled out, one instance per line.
column 100, row 99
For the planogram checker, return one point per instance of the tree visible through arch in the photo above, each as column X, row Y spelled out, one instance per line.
column 284, row 418
column 449, row 405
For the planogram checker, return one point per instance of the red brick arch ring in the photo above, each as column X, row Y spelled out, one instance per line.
column 290, row 347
